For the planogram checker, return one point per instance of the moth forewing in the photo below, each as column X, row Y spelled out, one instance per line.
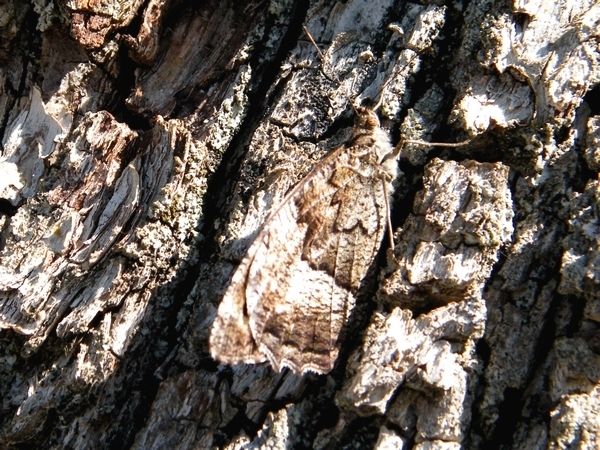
column 230, row 339
column 291, row 296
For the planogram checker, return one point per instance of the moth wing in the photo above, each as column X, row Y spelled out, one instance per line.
column 231, row 340
column 293, row 292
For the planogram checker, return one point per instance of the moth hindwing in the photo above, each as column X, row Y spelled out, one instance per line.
column 291, row 296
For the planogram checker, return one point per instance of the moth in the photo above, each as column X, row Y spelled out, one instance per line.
column 291, row 296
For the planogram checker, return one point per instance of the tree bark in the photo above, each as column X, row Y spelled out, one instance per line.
column 144, row 143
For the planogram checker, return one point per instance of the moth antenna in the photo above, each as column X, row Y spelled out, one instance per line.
column 437, row 144
column 394, row 154
column 383, row 88
column 380, row 101
column 335, row 79
column 313, row 42
column 386, row 196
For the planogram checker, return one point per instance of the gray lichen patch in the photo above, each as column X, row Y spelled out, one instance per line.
column 580, row 262
column 402, row 350
column 448, row 246
column 592, row 144
column 573, row 389
column 492, row 102
column 535, row 64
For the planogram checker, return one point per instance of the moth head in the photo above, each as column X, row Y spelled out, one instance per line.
column 366, row 118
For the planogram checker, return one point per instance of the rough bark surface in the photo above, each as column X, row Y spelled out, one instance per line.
column 145, row 142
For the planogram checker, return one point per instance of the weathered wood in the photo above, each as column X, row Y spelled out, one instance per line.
column 144, row 144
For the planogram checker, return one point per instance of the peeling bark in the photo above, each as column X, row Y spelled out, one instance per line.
column 144, row 144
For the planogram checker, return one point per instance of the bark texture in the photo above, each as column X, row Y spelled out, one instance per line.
column 145, row 142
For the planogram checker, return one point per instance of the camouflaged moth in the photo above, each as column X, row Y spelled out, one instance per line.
column 290, row 298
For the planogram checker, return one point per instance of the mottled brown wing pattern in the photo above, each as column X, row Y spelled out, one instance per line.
column 291, row 296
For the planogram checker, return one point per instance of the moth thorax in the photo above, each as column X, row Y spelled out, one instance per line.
column 385, row 153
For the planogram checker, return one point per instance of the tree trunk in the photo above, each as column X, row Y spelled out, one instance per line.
column 144, row 144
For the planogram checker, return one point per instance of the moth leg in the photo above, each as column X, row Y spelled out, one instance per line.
column 386, row 196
